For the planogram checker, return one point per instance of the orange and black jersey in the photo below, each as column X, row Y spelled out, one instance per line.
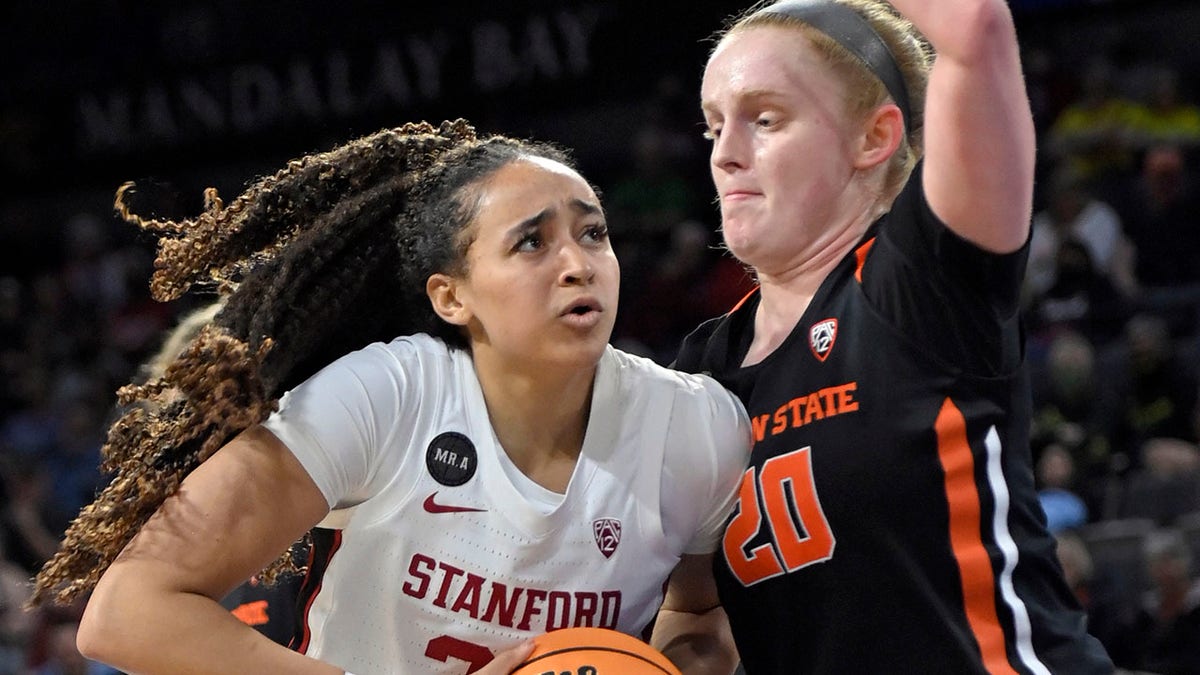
column 888, row 521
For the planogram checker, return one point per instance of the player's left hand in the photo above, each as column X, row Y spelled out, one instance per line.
column 507, row 660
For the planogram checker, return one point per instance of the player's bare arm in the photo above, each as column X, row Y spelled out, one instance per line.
column 164, row 588
column 691, row 628
column 979, row 134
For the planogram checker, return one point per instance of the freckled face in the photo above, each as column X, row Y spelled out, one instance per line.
column 780, row 143
column 542, row 280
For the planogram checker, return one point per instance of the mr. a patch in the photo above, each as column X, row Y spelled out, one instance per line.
column 451, row 459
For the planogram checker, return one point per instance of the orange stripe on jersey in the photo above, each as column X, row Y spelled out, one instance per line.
column 743, row 300
column 974, row 566
column 860, row 255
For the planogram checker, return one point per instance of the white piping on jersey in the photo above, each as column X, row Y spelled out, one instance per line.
column 1008, row 548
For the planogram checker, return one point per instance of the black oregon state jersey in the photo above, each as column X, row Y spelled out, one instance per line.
column 888, row 522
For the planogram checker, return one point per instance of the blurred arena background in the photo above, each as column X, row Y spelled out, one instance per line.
column 181, row 95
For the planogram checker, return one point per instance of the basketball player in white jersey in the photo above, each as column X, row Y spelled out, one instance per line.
column 499, row 473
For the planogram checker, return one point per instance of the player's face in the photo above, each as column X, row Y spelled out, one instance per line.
column 542, row 280
column 780, row 155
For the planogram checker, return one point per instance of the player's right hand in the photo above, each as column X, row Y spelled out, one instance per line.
column 507, row 660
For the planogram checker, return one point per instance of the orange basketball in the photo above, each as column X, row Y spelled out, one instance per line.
column 593, row 651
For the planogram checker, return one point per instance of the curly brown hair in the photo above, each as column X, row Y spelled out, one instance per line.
column 329, row 254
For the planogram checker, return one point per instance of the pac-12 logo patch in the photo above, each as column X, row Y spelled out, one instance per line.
column 451, row 459
column 607, row 532
column 821, row 337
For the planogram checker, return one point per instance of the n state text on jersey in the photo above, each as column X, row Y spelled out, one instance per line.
column 453, row 588
column 806, row 408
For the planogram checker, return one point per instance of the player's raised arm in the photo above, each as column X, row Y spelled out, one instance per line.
column 979, row 134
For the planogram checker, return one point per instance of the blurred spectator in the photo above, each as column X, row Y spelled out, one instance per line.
column 692, row 282
column 1164, row 636
column 16, row 624
column 646, row 202
column 63, row 658
column 55, row 333
column 31, row 431
column 1161, row 217
column 1148, row 392
column 1167, row 485
column 1050, row 85
column 1091, row 134
column 1073, row 213
column 1096, row 590
column 132, row 329
column 1166, row 118
column 94, row 271
column 73, row 465
column 1080, row 300
column 1066, row 415
column 24, row 490
column 1056, row 484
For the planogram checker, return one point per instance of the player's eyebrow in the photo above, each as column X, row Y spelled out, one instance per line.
column 533, row 222
column 754, row 96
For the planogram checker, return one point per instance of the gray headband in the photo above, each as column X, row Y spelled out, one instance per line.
column 849, row 29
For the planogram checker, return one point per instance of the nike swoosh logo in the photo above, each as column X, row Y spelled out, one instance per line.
column 433, row 507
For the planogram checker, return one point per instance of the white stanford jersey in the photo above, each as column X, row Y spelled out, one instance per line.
column 438, row 552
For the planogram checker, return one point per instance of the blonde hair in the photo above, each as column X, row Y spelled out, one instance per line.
column 178, row 338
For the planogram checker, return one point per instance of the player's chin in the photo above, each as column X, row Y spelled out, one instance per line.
column 585, row 352
column 739, row 238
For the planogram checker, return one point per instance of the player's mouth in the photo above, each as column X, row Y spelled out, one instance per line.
column 734, row 196
column 582, row 313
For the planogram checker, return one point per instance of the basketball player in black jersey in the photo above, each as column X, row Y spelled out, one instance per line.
column 888, row 521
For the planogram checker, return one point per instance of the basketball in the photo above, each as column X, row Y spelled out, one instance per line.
column 593, row 651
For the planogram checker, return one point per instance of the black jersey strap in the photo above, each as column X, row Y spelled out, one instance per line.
column 849, row 29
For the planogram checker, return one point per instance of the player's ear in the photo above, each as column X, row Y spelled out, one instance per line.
column 881, row 134
column 444, row 295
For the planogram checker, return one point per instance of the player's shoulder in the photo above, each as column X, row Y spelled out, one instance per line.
column 408, row 351
column 640, row 374
column 411, row 360
column 407, row 346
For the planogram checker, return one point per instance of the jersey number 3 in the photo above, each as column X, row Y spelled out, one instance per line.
column 798, row 530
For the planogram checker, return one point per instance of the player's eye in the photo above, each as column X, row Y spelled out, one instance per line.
column 596, row 233
column 530, row 241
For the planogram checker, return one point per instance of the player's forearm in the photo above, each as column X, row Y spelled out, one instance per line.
column 698, row 643
column 179, row 634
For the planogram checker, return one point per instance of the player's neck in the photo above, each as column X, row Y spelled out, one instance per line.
column 787, row 292
column 539, row 421
column 784, row 299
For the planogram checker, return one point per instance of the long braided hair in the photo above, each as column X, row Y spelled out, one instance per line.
column 325, row 256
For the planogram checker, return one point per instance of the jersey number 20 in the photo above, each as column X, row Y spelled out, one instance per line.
column 798, row 530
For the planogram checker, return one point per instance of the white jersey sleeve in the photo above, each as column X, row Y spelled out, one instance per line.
column 708, row 447
column 337, row 421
